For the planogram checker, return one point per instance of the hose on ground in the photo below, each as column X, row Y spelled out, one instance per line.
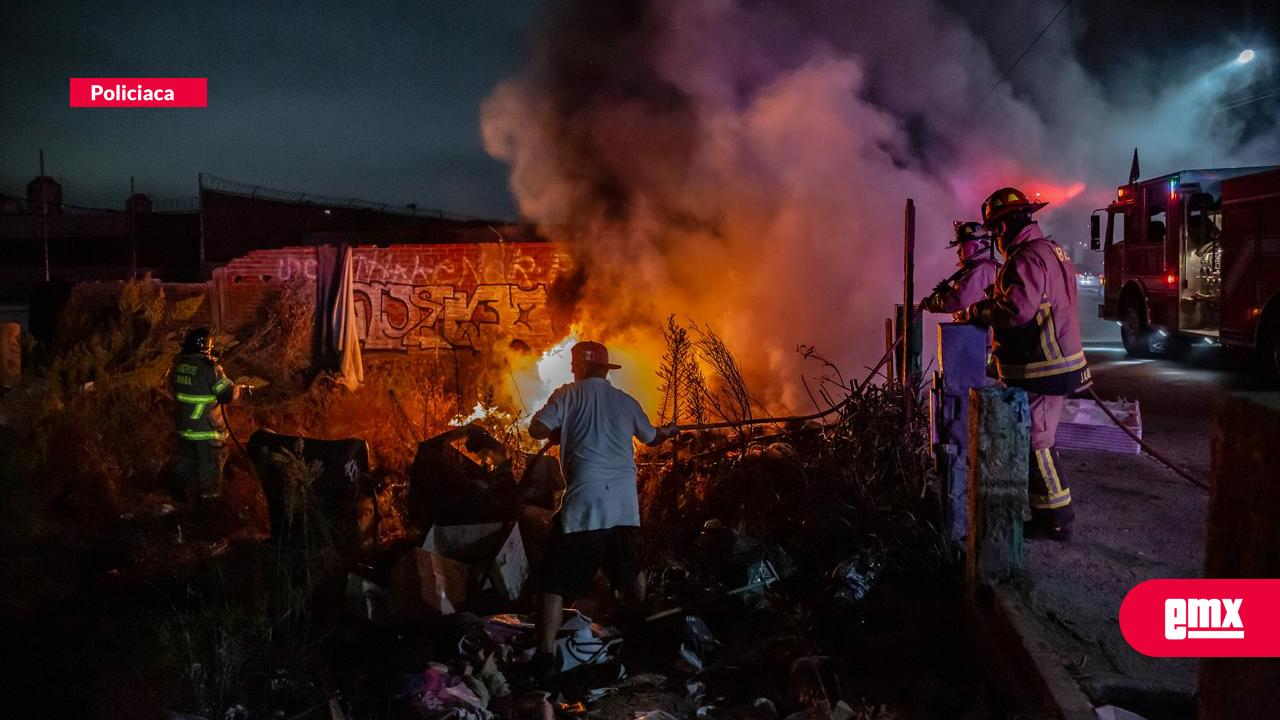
column 1147, row 448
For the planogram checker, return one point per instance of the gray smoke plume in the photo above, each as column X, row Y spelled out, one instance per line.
column 746, row 163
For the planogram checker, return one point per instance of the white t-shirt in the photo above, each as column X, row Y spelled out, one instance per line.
column 596, row 422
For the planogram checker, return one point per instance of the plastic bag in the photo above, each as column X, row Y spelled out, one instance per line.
column 854, row 578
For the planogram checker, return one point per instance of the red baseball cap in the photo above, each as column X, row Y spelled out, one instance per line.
column 593, row 352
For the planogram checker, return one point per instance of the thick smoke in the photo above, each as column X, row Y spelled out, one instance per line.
column 746, row 164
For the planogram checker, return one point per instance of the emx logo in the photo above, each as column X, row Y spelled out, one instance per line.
column 1203, row 618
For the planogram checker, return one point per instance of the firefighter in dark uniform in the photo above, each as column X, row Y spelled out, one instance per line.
column 976, row 275
column 199, row 386
column 1032, row 310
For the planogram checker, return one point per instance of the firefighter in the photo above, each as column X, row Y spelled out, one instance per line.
column 199, row 386
column 1032, row 310
column 977, row 272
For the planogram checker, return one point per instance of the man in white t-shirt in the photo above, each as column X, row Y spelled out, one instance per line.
column 598, row 525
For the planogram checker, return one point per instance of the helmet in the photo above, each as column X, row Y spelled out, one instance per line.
column 1003, row 202
column 198, row 340
column 968, row 232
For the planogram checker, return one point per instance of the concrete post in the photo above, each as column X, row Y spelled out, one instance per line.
column 962, row 357
column 999, row 447
column 1243, row 541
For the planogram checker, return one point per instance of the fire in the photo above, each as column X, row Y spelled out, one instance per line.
column 534, row 382
column 479, row 412
column 528, row 380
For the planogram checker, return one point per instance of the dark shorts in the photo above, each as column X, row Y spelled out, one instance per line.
column 572, row 559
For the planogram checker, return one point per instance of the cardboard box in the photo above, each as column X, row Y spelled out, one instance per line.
column 424, row 580
column 456, row 561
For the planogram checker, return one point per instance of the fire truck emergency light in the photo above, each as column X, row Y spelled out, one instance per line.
column 1245, row 57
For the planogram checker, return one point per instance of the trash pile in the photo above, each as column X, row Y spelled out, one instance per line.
column 667, row 662
column 762, row 554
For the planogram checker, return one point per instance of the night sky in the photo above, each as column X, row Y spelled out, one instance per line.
column 376, row 100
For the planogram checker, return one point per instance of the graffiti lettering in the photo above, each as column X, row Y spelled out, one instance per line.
column 295, row 267
column 398, row 316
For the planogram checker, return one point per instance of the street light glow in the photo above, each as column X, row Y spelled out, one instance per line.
column 1245, row 57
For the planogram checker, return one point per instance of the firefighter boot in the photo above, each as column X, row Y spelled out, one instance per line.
column 1051, row 511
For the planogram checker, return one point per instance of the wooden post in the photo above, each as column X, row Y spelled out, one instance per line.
column 889, row 371
column 908, row 374
column 1243, row 541
column 999, row 447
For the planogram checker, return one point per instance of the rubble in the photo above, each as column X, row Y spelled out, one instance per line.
column 854, row 578
column 458, row 561
column 465, row 476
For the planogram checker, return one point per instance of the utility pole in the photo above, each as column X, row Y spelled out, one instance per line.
column 44, row 217
column 133, row 232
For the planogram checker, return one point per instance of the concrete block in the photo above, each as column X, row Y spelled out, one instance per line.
column 999, row 447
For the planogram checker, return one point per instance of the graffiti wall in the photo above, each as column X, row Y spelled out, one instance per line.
column 427, row 298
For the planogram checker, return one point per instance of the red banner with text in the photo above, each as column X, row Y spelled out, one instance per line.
column 140, row 92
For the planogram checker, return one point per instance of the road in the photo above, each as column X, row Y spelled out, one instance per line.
column 1136, row 520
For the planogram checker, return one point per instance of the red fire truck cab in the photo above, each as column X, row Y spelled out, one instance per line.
column 1196, row 255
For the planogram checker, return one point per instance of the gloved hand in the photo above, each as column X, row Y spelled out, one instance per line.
column 554, row 438
column 978, row 313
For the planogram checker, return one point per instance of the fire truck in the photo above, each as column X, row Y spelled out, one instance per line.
column 1194, row 256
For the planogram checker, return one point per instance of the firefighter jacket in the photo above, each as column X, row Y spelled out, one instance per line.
column 1033, row 312
column 966, row 287
column 199, row 385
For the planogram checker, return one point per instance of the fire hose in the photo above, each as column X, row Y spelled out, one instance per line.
column 1149, row 450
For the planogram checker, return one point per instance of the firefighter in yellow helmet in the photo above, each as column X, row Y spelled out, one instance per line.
column 199, row 386
column 1032, row 310
column 976, row 275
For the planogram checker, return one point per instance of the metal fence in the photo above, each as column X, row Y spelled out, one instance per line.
column 231, row 187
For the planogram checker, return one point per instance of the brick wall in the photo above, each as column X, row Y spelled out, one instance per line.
column 418, row 298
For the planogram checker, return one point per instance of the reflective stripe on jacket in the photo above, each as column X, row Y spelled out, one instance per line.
column 1033, row 312
column 199, row 385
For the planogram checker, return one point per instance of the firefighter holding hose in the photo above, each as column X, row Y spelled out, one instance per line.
column 1032, row 310
column 976, row 273
column 200, row 386
column 598, row 525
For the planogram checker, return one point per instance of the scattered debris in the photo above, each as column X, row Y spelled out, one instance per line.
column 366, row 599
column 1111, row 712
column 855, row 577
column 458, row 561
